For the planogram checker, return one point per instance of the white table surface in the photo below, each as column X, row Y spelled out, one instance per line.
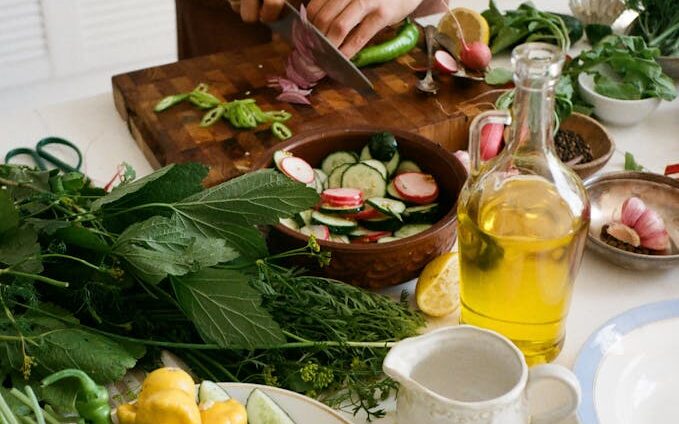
column 602, row 290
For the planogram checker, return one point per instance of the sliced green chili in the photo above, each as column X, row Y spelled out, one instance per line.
column 213, row 115
column 203, row 100
column 281, row 131
column 278, row 115
column 170, row 101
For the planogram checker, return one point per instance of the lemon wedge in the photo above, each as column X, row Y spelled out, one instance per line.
column 474, row 26
column 437, row 292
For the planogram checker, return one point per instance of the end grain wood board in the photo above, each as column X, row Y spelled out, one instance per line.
column 175, row 135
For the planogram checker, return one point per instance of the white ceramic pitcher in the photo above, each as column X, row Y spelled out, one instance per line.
column 465, row 374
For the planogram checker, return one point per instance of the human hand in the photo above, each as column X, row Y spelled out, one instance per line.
column 257, row 10
column 350, row 24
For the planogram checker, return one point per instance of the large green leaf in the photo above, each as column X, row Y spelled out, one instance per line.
column 226, row 310
column 160, row 246
column 30, row 181
column 166, row 185
column 20, row 249
column 257, row 198
column 9, row 215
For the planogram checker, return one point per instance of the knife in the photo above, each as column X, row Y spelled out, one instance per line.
column 325, row 54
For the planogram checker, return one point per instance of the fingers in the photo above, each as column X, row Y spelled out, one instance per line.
column 271, row 9
column 370, row 26
column 249, row 10
column 314, row 7
column 352, row 15
column 327, row 14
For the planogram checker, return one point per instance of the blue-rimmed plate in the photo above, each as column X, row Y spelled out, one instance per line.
column 629, row 368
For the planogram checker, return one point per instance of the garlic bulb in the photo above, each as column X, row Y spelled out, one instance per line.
column 645, row 222
column 597, row 11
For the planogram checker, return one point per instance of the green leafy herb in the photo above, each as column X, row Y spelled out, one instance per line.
column 658, row 23
column 499, row 76
column 631, row 163
column 624, row 67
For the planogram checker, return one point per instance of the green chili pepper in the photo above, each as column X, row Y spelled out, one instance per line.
column 92, row 399
column 212, row 116
column 281, row 131
column 203, row 100
column 170, row 101
column 202, row 87
column 405, row 40
column 278, row 115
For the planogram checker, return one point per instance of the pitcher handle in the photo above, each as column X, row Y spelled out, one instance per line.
column 481, row 120
column 563, row 376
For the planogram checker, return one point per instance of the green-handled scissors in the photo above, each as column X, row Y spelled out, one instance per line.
column 40, row 155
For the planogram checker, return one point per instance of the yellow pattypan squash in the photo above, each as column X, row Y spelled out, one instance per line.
column 227, row 412
column 170, row 406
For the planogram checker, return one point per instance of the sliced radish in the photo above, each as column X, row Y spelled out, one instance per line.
column 298, row 169
column 321, row 232
column 491, row 140
column 372, row 237
column 445, row 62
column 368, row 213
column 417, row 187
column 342, row 196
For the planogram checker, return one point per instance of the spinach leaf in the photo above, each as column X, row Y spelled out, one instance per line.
column 9, row 214
column 226, row 310
column 499, row 76
column 20, row 249
column 631, row 163
column 160, row 246
column 80, row 236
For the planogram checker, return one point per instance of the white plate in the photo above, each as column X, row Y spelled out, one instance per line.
column 302, row 410
column 629, row 368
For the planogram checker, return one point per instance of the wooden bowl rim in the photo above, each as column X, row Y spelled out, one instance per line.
column 603, row 159
column 446, row 221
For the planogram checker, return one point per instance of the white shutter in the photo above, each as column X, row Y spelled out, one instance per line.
column 23, row 47
column 126, row 31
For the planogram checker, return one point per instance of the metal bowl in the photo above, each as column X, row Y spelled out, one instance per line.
column 670, row 65
column 607, row 192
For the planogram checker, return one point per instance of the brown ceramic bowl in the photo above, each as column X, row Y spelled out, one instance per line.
column 594, row 134
column 379, row 265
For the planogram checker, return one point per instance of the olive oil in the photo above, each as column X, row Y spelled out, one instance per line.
column 520, row 248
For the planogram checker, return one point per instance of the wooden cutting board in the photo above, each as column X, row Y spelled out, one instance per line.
column 176, row 136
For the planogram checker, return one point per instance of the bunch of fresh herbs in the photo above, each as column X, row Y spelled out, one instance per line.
column 625, row 68
column 99, row 281
column 527, row 24
column 658, row 23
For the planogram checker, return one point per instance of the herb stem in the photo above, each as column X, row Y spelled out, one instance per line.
column 73, row 258
column 10, row 183
column 36, row 277
column 217, row 365
column 26, row 401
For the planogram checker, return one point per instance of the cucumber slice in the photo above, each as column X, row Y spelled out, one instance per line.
column 321, row 179
column 335, row 224
column 392, row 165
column 341, row 210
column 365, row 153
column 335, row 178
column 304, row 218
column 382, row 224
column 336, row 159
column 392, row 192
column 290, row 223
column 426, row 214
column 209, row 391
column 261, row 409
column 373, row 163
column 360, row 232
column 407, row 166
column 388, row 206
column 388, row 239
column 339, row 238
column 278, row 156
column 365, row 178
column 411, row 230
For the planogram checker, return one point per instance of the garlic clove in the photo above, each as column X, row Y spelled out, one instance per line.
column 632, row 209
column 624, row 233
column 657, row 241
column 649, row 223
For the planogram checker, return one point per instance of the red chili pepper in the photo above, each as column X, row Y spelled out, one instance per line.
column 670, row 170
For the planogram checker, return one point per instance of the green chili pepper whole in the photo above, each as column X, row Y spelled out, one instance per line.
column 92, row 399
column 405, row 40
column 281, row 131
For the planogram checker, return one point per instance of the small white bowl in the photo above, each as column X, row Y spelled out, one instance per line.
column 615, row 111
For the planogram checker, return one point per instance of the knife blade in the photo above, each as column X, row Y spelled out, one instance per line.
column 325, row 54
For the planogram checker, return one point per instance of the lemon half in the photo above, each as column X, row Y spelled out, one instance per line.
column 437, row 292
column 474, row 26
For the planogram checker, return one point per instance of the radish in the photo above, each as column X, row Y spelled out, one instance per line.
column 463, row 156
column 417, row 187
column 475, row 56
column 491, row 140
column 367, row 213
column 445, row 62
column 342, row 197
column 321, row 232
column 372, row 237
column 297, row 169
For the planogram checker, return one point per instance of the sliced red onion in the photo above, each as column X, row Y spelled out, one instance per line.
column 293, row 97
